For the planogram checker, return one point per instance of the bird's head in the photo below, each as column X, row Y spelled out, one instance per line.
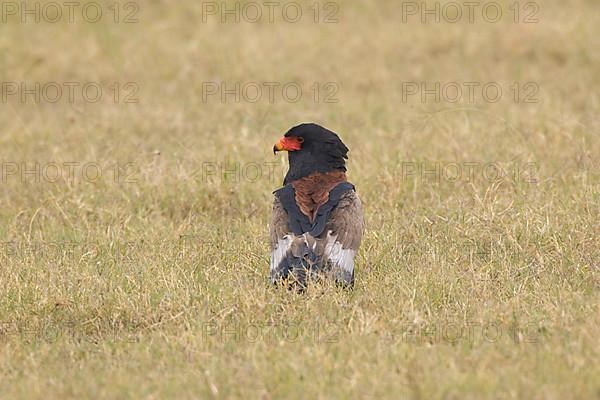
column 312, row 148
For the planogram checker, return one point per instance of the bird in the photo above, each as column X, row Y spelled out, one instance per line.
column 317, row 222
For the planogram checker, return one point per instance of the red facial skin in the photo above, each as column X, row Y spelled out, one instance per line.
column 292, row 143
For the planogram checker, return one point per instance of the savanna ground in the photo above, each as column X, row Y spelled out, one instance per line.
column 149, row 280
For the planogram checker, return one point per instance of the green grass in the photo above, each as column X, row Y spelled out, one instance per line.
column 155, row 286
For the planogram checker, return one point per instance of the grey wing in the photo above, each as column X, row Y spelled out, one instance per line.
column 342, row 237
column 281, row 238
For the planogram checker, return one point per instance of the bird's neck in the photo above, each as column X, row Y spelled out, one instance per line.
column 303, row 164
column 313, row 191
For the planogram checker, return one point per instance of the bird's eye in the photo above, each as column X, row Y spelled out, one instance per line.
column 300, row 140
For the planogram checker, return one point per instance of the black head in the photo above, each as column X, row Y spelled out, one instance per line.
column 312, row 148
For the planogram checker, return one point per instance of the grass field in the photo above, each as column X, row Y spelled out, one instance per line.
column 134, row 254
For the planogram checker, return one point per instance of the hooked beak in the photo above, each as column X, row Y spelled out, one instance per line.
column 288, row 144
column 279, row 146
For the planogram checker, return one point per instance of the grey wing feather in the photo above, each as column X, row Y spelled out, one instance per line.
column 347, row 221
column 341, row 239
column 279, row 223
column 281, row 239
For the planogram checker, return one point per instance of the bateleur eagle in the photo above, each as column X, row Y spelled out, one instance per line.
column 318, row 220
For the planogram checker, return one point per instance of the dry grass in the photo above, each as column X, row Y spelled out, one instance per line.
column 157, row 287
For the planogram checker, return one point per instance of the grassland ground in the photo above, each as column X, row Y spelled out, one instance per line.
column 136, row 201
